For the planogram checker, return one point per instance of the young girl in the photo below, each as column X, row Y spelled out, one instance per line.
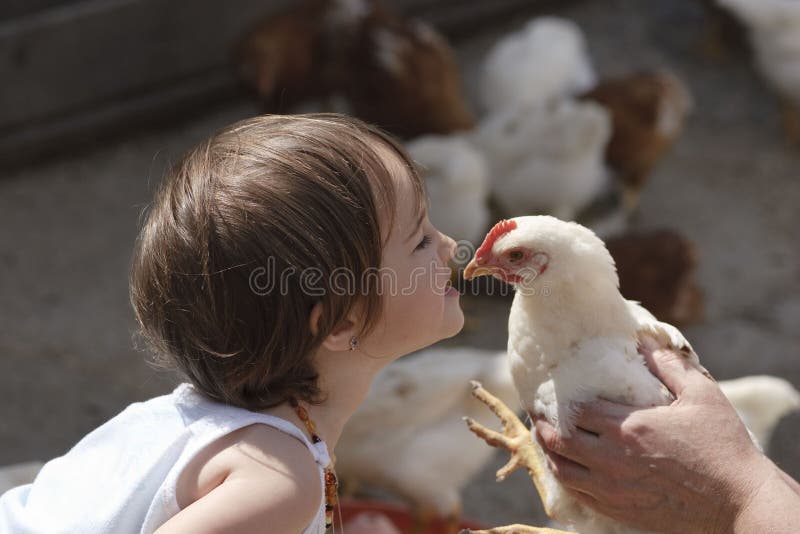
column 283, row 263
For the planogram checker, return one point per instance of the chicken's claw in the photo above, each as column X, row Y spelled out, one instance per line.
column 516, row 439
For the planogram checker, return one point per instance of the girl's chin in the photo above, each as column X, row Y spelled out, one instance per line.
column 451, row 292
column 455, row 323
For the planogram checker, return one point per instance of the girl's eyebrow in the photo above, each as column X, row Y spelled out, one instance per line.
column 416, row 228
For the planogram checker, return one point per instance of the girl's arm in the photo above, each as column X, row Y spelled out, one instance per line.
column 277, row 492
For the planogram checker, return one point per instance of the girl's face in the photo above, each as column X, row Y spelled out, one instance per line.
column 419, row 306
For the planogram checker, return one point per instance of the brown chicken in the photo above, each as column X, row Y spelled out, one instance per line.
column 283, row 58
column 404, row 77
column 393, row 71
column 656, row 268
column 648, row 111
column 723, row 33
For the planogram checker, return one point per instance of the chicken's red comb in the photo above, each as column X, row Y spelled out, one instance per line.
column 501, row 228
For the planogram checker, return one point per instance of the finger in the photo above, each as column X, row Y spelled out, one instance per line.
column 580, row 446
column 673, row 369
column 569, row 473
column 602, row 416
column 587, row 498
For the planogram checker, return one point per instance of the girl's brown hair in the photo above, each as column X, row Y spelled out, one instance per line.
column 265, row 197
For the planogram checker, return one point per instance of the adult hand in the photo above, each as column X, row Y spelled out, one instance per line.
column 687, row 467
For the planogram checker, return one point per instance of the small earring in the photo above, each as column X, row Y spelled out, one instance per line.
column 353, row 343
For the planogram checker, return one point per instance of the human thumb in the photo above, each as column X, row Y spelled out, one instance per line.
column 672, row 367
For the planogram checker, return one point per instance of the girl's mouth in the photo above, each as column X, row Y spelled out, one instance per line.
column 449, row 290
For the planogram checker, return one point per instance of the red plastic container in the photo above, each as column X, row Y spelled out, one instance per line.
column 399, row 515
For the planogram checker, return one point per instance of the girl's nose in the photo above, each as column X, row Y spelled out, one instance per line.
column 448, row 248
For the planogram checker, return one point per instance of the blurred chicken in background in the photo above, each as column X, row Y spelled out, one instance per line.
column 657, row 269
column 546, row 158
column 723, row 34
column 648, row 110
column 545, row 60
column 408, row 436
column 402, row 76
column 457, row 180
column 762, row 401
column 391, row 70
column 774, row 29
column 287, row 57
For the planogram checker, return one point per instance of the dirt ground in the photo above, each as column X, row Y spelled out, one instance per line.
column 732, row 183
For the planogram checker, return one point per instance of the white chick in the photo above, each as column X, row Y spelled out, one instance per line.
column 548, row 158
column 761, row 402
column 545, row 60
column 457, row 179
column 402, row 437
column 774, row 28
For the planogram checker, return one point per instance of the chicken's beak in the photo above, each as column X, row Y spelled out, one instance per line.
column 473, row 270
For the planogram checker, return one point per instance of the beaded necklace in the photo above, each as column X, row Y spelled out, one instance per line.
column 331, row 484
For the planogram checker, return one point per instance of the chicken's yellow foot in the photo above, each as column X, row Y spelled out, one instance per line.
column 516, row 529
column 515, row 438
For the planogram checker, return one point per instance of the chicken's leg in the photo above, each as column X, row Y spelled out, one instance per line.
column 516, row 439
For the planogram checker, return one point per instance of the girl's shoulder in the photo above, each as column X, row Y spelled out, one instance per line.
column 255, row 450
column 253, row 476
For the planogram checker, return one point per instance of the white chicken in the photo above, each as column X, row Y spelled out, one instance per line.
column 457, row 179
column 545, row 60
column 546, row 158
column 572, row 338
column 761, row 402
column 401, row 437
column 774, row 28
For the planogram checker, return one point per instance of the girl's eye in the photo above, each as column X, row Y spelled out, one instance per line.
column 426, row 240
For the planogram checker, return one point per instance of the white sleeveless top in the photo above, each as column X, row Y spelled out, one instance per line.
column 121, row 477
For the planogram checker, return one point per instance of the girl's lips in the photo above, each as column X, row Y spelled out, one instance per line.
column 450, row 290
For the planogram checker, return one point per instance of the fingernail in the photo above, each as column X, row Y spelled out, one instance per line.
column 648, row 344
column 664, row 353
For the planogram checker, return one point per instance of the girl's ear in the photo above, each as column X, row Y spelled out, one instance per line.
column 339, row 338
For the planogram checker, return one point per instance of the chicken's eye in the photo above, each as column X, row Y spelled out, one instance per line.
column 515, row 255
